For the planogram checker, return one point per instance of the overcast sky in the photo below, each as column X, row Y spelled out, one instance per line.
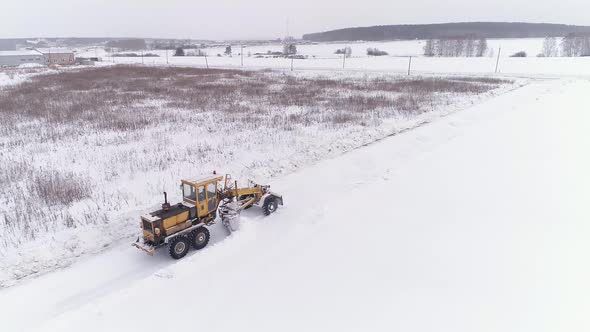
column 226, row 19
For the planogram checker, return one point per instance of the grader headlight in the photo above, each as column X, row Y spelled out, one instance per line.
column 157, row 231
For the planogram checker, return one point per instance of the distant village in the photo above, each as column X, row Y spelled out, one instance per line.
column 56, row 51
column 40, row 52
column 43, row 56
column 74, row 51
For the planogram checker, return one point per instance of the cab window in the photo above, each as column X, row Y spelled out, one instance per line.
column 211, row 190
column 188, row 192
column 201, row 193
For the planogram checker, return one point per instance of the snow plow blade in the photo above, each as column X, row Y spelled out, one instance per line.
column 148, row 249
column 230, row 215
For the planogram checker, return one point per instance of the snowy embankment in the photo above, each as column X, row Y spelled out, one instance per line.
column 477, row 221
column 108, row 141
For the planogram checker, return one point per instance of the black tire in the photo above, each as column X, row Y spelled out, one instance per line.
column 178, row 247
column 200, row 238
column 270, row 206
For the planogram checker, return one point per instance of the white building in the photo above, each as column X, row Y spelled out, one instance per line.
column 17, row 58
column 58, row 56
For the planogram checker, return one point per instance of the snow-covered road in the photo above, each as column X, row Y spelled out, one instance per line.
column 477, row 222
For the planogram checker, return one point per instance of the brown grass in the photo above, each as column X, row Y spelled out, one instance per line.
column 53, row 187
column 117, row 98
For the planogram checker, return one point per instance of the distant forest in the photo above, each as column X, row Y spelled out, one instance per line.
column 449, row 30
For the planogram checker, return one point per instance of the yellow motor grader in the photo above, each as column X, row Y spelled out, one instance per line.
column 185, row 224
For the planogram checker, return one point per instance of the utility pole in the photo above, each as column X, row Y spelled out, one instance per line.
column 410, row 66
column 498, row 59
column 291, row 63
column 142, row 57
column 166, row 55
column 206, row 62
column 343, row 58
column 242, row 54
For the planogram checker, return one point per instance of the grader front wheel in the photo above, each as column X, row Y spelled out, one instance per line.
column 200, row 238
column 270, row 206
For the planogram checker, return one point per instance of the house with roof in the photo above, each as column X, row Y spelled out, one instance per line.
column 57, row 56
column 17, row 58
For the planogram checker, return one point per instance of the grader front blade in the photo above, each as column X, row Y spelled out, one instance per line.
column 150, row 250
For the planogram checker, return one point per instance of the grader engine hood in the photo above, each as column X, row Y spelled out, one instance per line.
column 158, row 224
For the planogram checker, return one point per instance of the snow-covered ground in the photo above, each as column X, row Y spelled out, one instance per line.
column 321, row 56
column 474, row 222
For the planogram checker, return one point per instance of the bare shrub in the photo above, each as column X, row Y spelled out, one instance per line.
column 346, row 51
column 520, row 54
column 360, row 103
column 13, row 171
column 342, row 118
column 484, row 80
column 53, row 187
column 373, row 51
column 409, row 103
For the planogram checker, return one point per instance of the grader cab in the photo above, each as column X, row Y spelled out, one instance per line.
column 184, row 224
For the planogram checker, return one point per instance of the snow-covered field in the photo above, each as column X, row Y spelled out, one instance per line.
column 321, row 56
column 94, row 148
column 474, row 222
column 532, row 46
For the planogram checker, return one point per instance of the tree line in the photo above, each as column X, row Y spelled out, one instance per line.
column 572, row 45
column 467, row 46
column 447, row 31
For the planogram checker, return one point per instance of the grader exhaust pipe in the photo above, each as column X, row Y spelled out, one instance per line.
column 166, row 205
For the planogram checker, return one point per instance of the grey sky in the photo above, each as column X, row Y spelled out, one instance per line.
column 227, row 19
